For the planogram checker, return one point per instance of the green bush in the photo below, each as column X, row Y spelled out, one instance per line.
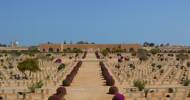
column 159, row 66
column 154, row 51
column 48, row 55
column 105, row 52
column 139, row 84
column 142, row 54
column 188, row 64
column 186, row 82
column 170, row 90
column 62, row 66
column 35, row 86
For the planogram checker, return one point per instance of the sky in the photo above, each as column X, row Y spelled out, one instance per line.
column 101, row 21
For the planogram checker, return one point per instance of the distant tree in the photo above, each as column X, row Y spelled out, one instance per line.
column 65, row 42
column 142, row 54
column 82, row 42
column 3, row 45
column 151, row 44
column 105, row 52
column 118, row 50
column 145, row 44
column 167, row 44
column 49, row 42
column 161, row 45
column 71, row 42
column 76, row 50
column 30, row 65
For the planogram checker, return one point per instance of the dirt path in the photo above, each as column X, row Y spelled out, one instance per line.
column 88, row 84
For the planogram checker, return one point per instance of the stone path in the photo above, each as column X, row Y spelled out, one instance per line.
column 88, row 83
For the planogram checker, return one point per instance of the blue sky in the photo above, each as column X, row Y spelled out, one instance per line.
column 100, row 21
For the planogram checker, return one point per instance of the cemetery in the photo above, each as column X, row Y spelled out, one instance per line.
column 138, row 74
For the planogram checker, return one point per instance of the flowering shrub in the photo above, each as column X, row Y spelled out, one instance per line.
column 58, row 61
column 113, row 90
column 69, row 78
column 109, row 79
column 84, row 56
column 97, row 55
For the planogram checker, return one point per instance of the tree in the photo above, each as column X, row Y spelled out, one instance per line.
column 142, row 54
column 105, row 52
column 30, row 65
column 82, row 42
column 76, row 50
column 65, row 42
column 71, row 42
column 145, row 44
column 151, row 44
column 3, row 45
column 167, row 44
column 161, row 45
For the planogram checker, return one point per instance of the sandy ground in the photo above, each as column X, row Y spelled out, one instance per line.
column 88, row 83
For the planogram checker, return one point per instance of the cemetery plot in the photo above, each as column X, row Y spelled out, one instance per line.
column 161, row 71
column 33, row 77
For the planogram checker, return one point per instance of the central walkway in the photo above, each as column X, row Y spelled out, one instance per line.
column 88, row 83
